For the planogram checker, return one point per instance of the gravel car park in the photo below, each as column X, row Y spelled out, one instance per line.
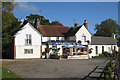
column 52, row 68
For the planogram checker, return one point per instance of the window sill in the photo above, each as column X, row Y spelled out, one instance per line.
column 28, row 44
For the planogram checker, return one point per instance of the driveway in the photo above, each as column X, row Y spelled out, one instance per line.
column 52, row 68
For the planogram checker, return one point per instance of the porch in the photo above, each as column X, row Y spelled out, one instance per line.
column 68, row 50
column 75, row 52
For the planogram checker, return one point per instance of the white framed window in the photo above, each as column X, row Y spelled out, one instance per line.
column 28, row 51
column 28, row 39
column 102, row 49
column 54, row 49
column 57, row 38
column 83, row 38
column 49, row 38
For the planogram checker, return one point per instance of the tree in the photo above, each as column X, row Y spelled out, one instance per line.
column 32, row 18
column 106, row 28
column 10, row 25
column 56, row 23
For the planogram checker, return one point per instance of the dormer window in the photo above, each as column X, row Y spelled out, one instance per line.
column 28, row 40
column 83, row 38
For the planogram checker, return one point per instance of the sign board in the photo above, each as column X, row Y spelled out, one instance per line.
column 63, row 43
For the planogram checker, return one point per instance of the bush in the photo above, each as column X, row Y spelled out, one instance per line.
column 65, row 56
column 43, row 53
column 105, row 55
column 109, row 71
column 54, row 56
column 110, row 64
column 107, row 77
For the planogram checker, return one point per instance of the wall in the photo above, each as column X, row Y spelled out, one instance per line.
column 45, row 39
column 107, row 48
column 43, row 48
column 83, row 31
column 20, row 42
column 21, row 36
column 72, row 38
column 20, row 52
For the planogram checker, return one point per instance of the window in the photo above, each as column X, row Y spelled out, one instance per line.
column 83, row 38
column 96, row 49
column 57, row 38
column 28, row 51
column 109, row 49
column 74, row 48
column 28, row 39
column 114, row 48
column 54, row 48
column 49, row 38
column 102, row 49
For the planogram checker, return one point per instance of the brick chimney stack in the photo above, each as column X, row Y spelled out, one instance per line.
column 76, row 25
column 85, row 24
column 38, row 23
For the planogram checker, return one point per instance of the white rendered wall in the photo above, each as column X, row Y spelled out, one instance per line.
column 43, row 48
column 20, row 42
column 61, row 38
column 20, row 52
column 83, row 31
column 45, row 39
column 107, row 48
column 21, row 36
column 72, row 38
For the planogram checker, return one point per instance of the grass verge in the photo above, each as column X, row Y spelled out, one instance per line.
column 7, row 74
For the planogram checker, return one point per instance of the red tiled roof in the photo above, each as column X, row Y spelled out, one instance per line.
column 53, row 31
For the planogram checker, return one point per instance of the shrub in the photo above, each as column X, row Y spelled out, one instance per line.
column 43, row 53
column 54, row 56
column 65, row 56
column 106, row 55
column 110, row 64
column 107, row 77
column 108, row 69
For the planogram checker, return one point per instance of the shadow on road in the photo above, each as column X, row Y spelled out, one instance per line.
column 95, row 74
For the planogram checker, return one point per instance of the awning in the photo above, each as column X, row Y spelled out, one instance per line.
column 74, row 47
column 67, row 47
column 81, row 47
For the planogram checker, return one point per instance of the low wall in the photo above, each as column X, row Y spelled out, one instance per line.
column 78, row 57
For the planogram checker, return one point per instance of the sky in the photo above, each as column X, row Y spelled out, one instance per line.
column 68, row 13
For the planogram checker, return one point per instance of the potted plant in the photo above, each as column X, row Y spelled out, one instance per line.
column 79, row 41
column 109, row 70
column 88, row 41
column 47, row 50
column 43, row 55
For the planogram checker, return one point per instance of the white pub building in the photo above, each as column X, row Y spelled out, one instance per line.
column 76, row 42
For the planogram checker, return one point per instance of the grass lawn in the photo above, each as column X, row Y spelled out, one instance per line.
column 7, row 74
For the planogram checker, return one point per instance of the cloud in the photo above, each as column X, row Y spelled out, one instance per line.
column 28, row 7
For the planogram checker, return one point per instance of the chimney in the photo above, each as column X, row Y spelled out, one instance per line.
column 76, row 25
column 38, row 22
column 85, row 24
